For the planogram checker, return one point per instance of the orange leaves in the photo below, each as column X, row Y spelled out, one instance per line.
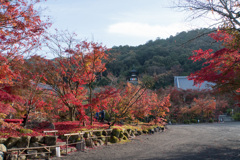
column 93, row 60
column 136, row 102
column 203, row 107
column 6, row 75
column 161, row 105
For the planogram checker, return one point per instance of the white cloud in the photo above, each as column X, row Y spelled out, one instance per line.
column 146, row 30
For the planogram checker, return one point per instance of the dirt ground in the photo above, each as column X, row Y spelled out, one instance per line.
column 218, row 141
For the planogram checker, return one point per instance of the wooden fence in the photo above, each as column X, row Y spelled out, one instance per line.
column 22, row 151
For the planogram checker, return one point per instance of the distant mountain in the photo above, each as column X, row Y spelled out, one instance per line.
column 161, row 59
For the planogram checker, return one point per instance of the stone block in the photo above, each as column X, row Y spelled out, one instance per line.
column 14, row 157
column 129, row 131
column 24, row 142
column 126, row 134
column 86, row 135
column 81, row 146
column 73, row 138
column 33, row 154
column 89, row 143
column 100, row 142
column 139, row 132
column 98, row 133
column 2, row 140
column 3, row 148
column 104, row 133
column 1, row 155
column 39, row 139
column 50, row 140
column 11, row 142
column 69, row 150
column 114, row 139
column 116, row 132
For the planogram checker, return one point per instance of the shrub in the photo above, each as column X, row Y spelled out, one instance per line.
column 229, row 111
column 193, row 121
column 116, row 132
column 174, row 121
column 22, row 130
column 4, row 134
column 186, row 121
column 210, row 120
column 236, row 116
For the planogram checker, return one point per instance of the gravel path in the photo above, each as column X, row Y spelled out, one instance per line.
column 218, row 141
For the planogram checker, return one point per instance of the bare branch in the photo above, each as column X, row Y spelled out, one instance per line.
column 228, row 11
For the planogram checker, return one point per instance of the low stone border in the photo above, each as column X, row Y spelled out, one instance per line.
column 82, row 139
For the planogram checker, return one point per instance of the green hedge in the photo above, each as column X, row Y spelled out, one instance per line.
column 186, row 121
column 236, row 116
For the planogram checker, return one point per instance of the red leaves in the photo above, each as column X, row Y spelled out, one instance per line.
column 200, row 55
column 100, row 99
column 20, row 25
column 20, row 29
column 135, row 102
column 73, row 70
column 220, row 67
column 73, row 99
column 159, row 106
column 201, row 107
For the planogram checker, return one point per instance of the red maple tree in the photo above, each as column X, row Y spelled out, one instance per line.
column 220, row 67
column 72, row 73
column 20, row 28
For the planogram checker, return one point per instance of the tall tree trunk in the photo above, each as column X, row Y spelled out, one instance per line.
column 90, row 102
column 72, row 113
column 25, row 119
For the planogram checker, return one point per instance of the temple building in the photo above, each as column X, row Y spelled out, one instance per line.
column 133, row 77
column 182, row 82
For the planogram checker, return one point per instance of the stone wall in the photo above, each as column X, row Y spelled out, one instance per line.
column 90, row 139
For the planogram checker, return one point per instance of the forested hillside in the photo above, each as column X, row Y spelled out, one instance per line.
column 161, row 59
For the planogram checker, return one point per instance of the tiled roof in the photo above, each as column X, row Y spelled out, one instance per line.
column 182, row 82
column 44, row 86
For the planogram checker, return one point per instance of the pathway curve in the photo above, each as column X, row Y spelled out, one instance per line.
column 220, row 141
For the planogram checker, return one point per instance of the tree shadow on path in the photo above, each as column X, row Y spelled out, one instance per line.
column 206, row 154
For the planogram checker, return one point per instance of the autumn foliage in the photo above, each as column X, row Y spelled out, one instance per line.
column 202, row 105
column 220, row 67
column 21, row 28
column 64, row 88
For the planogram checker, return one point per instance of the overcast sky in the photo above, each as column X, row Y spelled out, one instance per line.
column 118, row 22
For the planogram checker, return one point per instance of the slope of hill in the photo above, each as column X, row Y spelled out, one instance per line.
column 161, row 59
